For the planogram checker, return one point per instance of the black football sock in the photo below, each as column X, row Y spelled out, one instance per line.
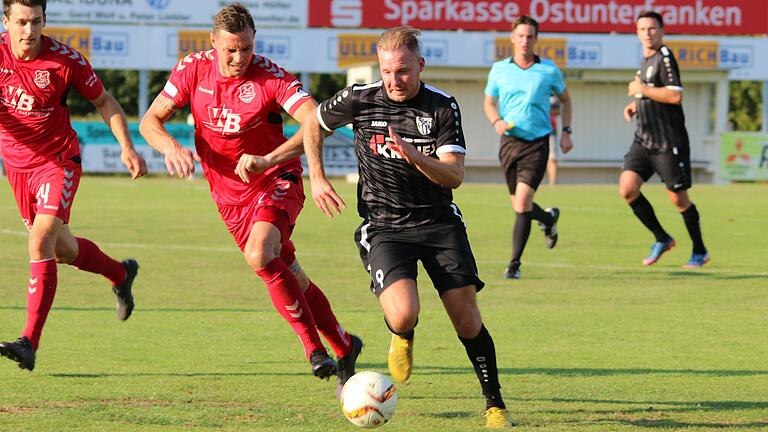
column 644, row 211
column 541, row 215
column 520, row 234
column 482, row 354
column 691, row 218
column 407, row 335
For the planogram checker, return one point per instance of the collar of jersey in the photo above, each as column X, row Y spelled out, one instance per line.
column 386, row 96
column 536, row 59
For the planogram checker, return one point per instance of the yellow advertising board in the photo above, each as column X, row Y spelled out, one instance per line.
column 696, row 54
column 356, row 49
column 78, row 38
column 555, row 49
column 192, row 41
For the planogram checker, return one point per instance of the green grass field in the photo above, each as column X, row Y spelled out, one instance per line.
column 588, row 340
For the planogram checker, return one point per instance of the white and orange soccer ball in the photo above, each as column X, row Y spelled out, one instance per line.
column 368, row 399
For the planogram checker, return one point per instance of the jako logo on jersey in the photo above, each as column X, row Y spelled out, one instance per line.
column 424, row 125
column 246, row 92
column 42, row 78
column 223, row 120
column 346, row 13
column 379, row 123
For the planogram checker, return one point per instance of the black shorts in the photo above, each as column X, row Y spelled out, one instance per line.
column 524, row 161
column 673, row 164
column 443, row 248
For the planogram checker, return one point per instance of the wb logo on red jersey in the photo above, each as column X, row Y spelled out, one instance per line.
column 17, row 98
column 223, row 120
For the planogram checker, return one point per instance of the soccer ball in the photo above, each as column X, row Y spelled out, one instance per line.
column 368, row 399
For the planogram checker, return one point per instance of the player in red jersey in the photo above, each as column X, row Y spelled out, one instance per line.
column 254, row 173
column 42, row 161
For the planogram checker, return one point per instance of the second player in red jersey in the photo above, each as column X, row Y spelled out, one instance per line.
column 254, row 173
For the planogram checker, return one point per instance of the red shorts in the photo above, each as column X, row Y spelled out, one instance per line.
column 279, row 204
column 48, row 189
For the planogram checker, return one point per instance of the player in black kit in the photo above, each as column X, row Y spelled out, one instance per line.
column 661, row 141
column 410, row 149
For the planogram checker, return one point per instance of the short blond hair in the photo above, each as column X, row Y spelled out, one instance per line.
column 397, row 37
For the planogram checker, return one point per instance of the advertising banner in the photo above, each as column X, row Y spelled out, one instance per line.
column 356, row 49
column 78, row 38
column 726, row 17
column 744, row 156
column 695, row 54
column 190, row 13
column 100, row 151
column 555, row 49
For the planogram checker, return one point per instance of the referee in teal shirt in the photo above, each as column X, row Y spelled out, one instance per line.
column 517, row 105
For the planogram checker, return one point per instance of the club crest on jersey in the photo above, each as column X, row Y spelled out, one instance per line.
column 246, row 92
column 424, row 125
column 42, row 78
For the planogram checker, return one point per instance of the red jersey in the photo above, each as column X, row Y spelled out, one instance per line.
column 233, row 116
column 34, row 118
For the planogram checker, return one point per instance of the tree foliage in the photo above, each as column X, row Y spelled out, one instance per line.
column 745, row 107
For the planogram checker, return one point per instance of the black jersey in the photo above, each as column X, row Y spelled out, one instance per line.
column 390, row 191
column 660, row 126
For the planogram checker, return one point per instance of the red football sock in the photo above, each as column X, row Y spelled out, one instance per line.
column 290, row 303
column 327, row 324
column 40, row 294
column 92, row 259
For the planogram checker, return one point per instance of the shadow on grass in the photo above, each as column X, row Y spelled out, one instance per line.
column 590, row 372
column 653, row 414
column 360, row 366
column 715, row 276
column 678, row 425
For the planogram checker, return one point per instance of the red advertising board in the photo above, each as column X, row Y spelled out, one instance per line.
column 725, row 17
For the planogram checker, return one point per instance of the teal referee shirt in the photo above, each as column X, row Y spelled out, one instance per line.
column 523, row 95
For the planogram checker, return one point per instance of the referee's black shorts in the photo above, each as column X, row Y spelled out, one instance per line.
column 442, row 247
column 523, row 161
column 673, row 164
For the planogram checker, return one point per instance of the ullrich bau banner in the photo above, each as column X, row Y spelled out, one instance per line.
column 744, row 156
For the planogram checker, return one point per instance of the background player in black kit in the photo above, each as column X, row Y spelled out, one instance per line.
column 410, row 149
column 661, row 141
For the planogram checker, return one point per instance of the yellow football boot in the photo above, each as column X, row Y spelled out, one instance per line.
column 400, row 358
column 496, row 418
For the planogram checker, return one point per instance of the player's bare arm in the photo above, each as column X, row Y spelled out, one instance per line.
column 114, row 117
column 323, row 193
column 659, row 94
column 291, row 148
column 491, row 110
column 178, row 160
column 630, row 110
column 566, row 112
column 447, row 170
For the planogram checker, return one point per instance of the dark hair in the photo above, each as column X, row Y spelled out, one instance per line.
column 28, row 3
column 234, row 18
column 525, row 19
column 651, row 14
